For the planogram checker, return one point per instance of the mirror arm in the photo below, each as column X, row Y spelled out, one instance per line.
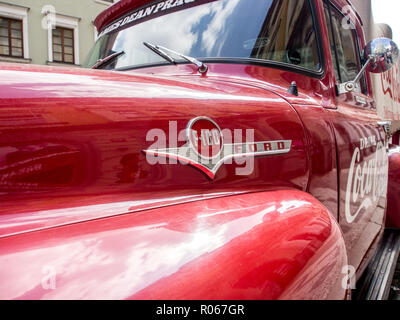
column 351, row 85
column 367, row 63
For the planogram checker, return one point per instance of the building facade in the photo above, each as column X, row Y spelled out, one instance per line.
column 52, row 32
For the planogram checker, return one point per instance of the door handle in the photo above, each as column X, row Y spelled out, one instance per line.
column 385, row 125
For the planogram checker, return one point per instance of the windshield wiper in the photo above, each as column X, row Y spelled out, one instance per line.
column 201, row 67
column 103, row 62
column 156, row 49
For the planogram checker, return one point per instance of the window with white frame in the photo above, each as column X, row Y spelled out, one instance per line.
column 63, row 45
column 63, row 40
column 11, row 38
column 14, row 31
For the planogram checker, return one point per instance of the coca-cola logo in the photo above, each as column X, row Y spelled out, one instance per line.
column 367, row 180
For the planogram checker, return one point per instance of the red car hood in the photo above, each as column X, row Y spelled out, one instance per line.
column 36, row 81
column 72, row 139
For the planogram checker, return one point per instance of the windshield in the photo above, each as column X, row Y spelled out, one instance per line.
column 274, row 30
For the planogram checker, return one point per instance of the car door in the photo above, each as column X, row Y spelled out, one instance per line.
column 361, row 143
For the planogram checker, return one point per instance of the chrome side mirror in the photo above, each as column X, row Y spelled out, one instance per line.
column 380, row 55
column 384, row 53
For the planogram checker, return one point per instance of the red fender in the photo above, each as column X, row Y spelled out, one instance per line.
column 393, row 203
column 269, row 245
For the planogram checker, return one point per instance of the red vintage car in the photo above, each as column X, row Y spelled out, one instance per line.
column 224, row 149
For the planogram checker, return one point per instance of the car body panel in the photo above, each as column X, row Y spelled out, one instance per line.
column 75, row 151
column 269, row 245
column 362, row 158
column 393, row 207
column 79, row 197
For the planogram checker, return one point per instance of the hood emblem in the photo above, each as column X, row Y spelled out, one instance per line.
column 205, row 148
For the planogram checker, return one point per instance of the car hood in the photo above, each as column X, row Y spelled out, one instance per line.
column 35, row 81
column 72, row 142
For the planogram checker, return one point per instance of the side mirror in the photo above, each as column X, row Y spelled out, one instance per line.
column 380, row 55
column 384, row 53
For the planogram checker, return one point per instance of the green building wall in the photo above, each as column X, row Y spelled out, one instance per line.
column 85, row 10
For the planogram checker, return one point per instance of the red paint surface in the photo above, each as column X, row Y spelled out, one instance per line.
column 116, row 10
column 256, row 246
column 393, row 207
column 104, row 134
column 77, row 193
